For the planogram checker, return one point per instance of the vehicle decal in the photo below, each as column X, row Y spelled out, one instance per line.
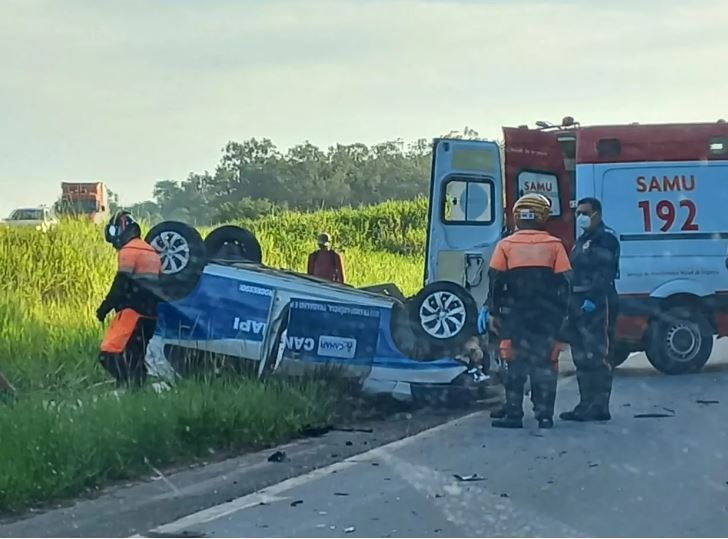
column 218, row 308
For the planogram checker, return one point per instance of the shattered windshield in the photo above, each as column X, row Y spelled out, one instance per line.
column 402, row 268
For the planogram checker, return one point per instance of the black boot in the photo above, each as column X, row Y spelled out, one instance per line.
column 586, row 414
column 545, row 423
column 508, row 423
column 498, row 413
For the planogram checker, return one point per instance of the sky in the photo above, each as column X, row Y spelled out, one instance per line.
column 130, row 92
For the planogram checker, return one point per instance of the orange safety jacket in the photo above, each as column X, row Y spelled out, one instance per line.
column 529, row 286
column 133, row 294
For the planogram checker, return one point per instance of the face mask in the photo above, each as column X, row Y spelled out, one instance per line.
column 583, row 222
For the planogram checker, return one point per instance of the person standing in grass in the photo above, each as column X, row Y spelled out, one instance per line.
column 325, row 263
column 133, row 295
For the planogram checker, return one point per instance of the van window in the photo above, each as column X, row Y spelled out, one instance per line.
column 609, row 148
column 543, row 183
column 468, row 200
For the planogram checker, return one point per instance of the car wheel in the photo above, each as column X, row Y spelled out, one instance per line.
column 233, row 243
column 182, row 252
column 443, row 316
column 680, row 341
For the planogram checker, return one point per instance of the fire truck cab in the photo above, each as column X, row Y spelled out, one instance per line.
column 663, row 189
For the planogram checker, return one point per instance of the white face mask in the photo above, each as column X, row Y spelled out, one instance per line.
column 583, row 222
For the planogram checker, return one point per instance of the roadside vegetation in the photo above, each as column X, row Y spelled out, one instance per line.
column 65, row 433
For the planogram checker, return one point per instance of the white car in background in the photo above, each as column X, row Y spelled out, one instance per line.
column 39, row 218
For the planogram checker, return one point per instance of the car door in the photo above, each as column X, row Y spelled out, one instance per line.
column 536, row 161
column 465, row 213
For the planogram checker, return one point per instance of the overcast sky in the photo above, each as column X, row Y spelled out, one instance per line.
column 134, row 91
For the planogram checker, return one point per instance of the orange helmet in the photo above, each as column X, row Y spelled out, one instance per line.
column 532, row 207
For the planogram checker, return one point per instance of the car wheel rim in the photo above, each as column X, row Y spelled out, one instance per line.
column 683, row 342
column 442, row 315
column 174, row 250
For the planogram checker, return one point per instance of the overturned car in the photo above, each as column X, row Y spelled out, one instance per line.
column 221, row 301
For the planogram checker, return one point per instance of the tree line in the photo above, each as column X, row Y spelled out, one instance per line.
column 255, row 178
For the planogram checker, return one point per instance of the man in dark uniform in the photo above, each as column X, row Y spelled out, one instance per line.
column 593, row 311
column 134, row 297
column 528, row 296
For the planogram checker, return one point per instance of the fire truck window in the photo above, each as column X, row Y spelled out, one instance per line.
column 718, row 146
column 543, row 183
column 468, row 202
column 609, row 148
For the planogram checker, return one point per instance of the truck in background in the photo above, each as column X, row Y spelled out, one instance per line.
column 84, row 199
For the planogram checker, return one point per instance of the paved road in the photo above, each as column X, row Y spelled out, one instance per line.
column 660, row 476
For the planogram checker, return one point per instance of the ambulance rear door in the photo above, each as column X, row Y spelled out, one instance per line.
column 539, row 161
column 465, row 218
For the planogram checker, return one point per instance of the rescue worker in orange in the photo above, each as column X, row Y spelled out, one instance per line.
column 325, row 263
column 528, row 297
column 133, row 296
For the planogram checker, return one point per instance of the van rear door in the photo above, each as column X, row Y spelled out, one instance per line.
column 465, row 213
column 543, row 162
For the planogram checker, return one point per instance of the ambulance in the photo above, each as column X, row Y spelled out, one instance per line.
column 664, row 191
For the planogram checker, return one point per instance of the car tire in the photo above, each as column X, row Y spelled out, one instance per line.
column 680, row 341
column 183, row 256
column 233, row 243
column 443, row 317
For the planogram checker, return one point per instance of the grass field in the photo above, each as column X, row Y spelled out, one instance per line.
column 50, row 286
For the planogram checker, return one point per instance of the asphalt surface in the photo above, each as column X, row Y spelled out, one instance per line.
column 661, row 475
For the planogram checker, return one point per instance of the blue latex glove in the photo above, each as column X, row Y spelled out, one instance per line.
column 588, row 306
column 483, row 321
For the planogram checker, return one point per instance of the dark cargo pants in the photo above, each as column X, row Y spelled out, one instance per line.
column 531, row 357
column 590, row 333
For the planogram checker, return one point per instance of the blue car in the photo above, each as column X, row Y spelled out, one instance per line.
column 221, row 301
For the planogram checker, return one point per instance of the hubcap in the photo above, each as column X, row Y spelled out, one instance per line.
column 683, row 341
column 174, row 251
column 442, row 315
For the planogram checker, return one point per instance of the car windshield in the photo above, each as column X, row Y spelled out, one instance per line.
column 27, row 215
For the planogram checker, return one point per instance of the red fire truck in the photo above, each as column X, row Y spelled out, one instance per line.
column 664, row 189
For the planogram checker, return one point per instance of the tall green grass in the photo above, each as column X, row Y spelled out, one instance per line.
column 54, row 449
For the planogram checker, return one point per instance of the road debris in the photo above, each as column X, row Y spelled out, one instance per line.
column 341, row 493
column 504, row 495
column 350, row 529
column 310, row 431
column 468, row 478
column 184, row 534
column 296, row 503
column 349, row 443
column 365, row 430
column 278, row 456
column 703, row 401
column 652, row 416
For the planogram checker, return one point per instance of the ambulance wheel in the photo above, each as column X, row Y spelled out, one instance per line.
column 183, row 256
column 443, row 316
column 680, row 341
column 233, row 243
